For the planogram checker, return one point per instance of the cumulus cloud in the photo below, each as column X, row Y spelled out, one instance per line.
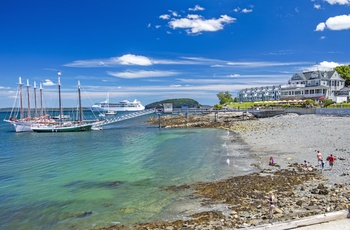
column 196, row 8
column 340, row 2
column 142, row 74
column 323, row 66
column 341, row 22
column 320, row 27
column 48, row 82
column 195, row 24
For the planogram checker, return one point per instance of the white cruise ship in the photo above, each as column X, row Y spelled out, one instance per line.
column 119, row 106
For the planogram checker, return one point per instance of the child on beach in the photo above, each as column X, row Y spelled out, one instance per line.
column 322, row 166
column 272, row 161
column 305, row 164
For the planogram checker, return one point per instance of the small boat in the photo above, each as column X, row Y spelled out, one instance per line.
column 70, row 126
column 110, row 113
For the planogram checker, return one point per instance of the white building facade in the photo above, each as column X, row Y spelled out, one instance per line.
column 264, row 93
column 315, row 85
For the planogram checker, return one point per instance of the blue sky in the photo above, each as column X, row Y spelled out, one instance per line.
column 152, row 50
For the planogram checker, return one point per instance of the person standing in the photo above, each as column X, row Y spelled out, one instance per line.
column 319, row 158
column 331, row 161
column 271, row 202
column 322, row 166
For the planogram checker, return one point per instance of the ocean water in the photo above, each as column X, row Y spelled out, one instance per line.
column 115, row 175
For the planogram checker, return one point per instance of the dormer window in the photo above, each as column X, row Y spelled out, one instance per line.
column 313, row 75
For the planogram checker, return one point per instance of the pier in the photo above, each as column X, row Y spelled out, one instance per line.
column 99, row 124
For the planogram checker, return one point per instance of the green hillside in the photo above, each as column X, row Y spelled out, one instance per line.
column 177, row 103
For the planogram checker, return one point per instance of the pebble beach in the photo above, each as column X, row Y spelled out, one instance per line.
column 295, row 138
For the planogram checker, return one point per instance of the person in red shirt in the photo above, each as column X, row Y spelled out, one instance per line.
column 331, row 161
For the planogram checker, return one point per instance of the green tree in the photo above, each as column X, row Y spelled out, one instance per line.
column 218, row 106
column 224, row 97
column 344, row 71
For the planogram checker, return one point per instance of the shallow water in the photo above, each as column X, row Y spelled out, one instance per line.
column 82, row 180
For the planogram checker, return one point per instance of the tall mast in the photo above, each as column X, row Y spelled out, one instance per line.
column 28, row 98
column 36, row 109
column 20, row 98
column 59, row 97
column 41, row 101
column 80, row 107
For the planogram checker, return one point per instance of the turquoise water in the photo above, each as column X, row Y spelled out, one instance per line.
column 119, row 173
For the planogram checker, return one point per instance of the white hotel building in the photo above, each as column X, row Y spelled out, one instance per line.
column 308, row 85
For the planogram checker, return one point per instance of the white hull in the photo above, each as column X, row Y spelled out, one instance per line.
column 118, row 109
column 123, row 106
column 21, row 126
column 69, row 127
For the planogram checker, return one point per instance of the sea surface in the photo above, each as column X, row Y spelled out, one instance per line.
column 116, row 175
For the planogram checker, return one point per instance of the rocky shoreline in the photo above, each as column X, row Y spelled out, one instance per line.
column 239, row 202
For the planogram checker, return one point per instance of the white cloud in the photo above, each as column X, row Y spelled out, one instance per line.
column 340, row 2
column 195, row 24
column 317, row 6
column 165, row 16
column 196, row 8
column 262, row 64
column 323, row 66
column 131, row 59
column 234, row 75
column 142, row 74
column 48, row 82
column 247, row 11
column 127, row 59
column 341, row 22
column 320, row 27
column 174, row 13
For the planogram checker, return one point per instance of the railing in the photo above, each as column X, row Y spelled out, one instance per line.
column 108, row 121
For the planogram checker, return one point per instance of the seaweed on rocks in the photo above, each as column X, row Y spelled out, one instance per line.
column 299, row 193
